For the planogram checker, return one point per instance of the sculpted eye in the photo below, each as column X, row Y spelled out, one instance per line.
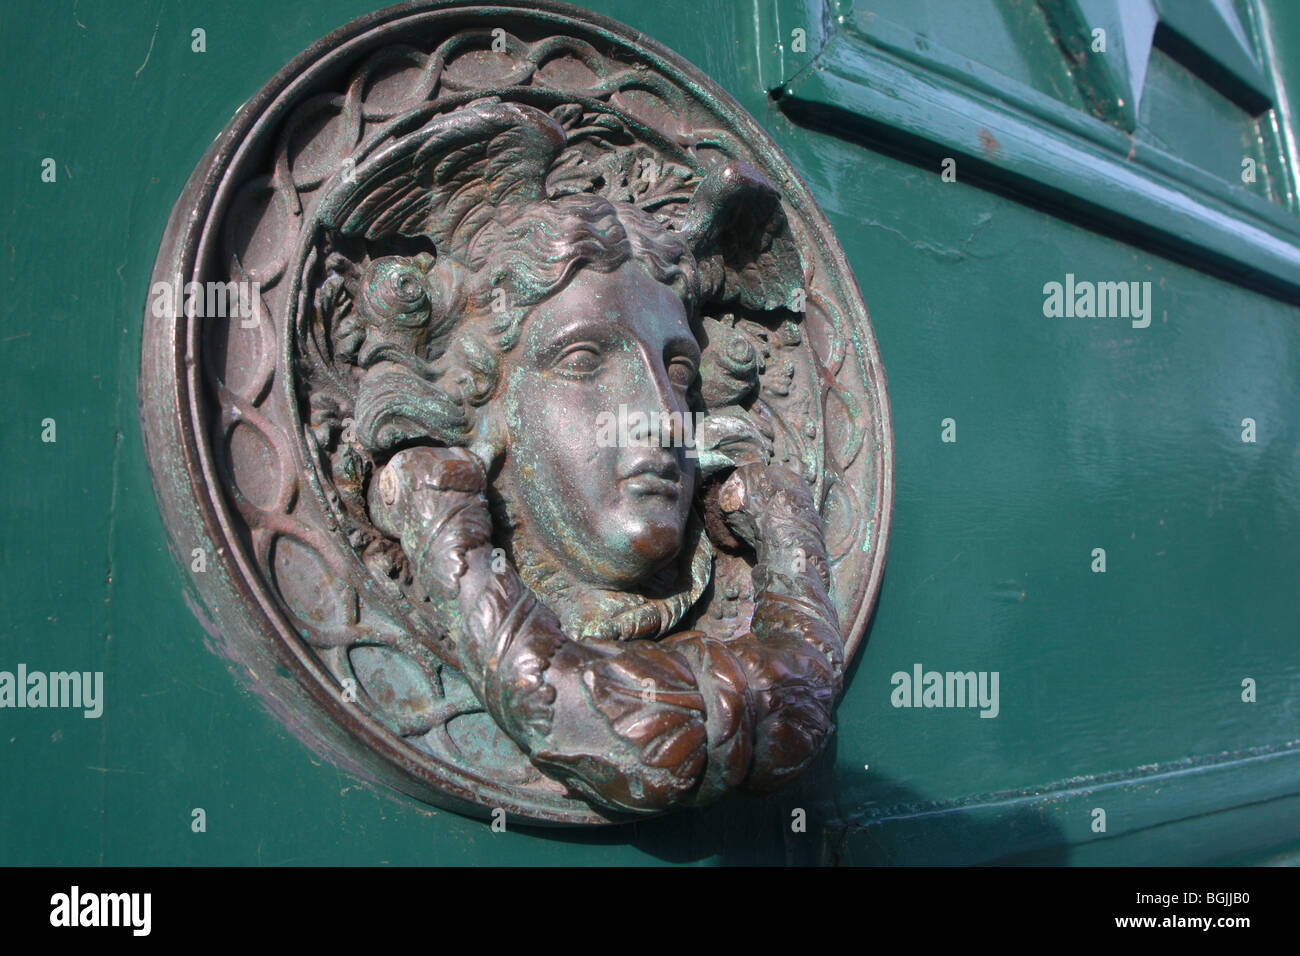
column 579, row 360
column 682, row 371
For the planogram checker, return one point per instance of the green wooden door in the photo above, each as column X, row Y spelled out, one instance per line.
column 983, row 166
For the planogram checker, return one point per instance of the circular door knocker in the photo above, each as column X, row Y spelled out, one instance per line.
column 519, row 419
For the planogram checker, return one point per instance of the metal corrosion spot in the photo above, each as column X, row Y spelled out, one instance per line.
column 731, row 496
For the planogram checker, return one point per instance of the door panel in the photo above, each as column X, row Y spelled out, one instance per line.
column 1120, row 691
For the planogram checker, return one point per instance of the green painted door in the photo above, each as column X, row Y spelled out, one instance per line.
column 1081, row 253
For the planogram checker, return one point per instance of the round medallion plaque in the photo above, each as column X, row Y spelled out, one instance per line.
column 517, row 415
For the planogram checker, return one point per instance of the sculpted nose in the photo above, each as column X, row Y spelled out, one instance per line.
column 660, row 401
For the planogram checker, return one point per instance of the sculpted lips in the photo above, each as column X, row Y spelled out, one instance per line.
column 653, row 476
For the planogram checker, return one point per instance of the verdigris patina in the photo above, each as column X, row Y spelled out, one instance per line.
column 552, row 472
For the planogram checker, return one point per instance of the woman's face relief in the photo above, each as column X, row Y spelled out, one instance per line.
column 594, row 401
